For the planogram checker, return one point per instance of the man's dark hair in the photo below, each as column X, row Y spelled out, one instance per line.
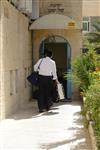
column 48, row 52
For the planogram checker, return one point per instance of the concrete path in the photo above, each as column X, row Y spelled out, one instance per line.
column 59, row 129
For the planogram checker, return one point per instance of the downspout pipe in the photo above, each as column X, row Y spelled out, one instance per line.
column 35, row 9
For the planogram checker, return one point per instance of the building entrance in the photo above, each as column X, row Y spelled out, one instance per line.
column 62, row 56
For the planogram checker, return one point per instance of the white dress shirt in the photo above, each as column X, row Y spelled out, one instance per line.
column 47, row 67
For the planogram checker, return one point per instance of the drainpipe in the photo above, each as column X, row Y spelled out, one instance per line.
column 35, row 9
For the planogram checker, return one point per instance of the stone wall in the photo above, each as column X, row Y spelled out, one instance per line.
column 15, row 59
column 91, row 8
column 70, row 8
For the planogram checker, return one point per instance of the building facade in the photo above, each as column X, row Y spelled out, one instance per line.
column 55, row 24
column 58, row 27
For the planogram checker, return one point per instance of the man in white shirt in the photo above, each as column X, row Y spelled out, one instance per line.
column 47, row 73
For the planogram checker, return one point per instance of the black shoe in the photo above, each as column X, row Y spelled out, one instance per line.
column 41, row 111
column 57, row 101
column 48, row 109
column 50, row 104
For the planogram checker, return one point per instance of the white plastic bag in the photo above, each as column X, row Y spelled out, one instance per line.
column 60, row 91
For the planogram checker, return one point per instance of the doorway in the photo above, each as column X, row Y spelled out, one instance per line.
column 62, row 56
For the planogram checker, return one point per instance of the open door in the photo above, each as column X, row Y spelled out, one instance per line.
column 69, row 73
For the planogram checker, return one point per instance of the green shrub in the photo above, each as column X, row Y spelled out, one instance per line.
column 82, row 68
column 92, row 107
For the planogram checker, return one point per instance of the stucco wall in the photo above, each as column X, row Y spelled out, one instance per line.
column 16, row 59
column 91, row 8
column 99, row 8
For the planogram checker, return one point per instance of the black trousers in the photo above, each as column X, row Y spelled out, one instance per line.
column 54, row 92
column 45, row 92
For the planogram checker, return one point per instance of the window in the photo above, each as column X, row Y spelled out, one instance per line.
column 86, row 24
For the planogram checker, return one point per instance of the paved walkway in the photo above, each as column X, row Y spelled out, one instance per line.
column 59, row 129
